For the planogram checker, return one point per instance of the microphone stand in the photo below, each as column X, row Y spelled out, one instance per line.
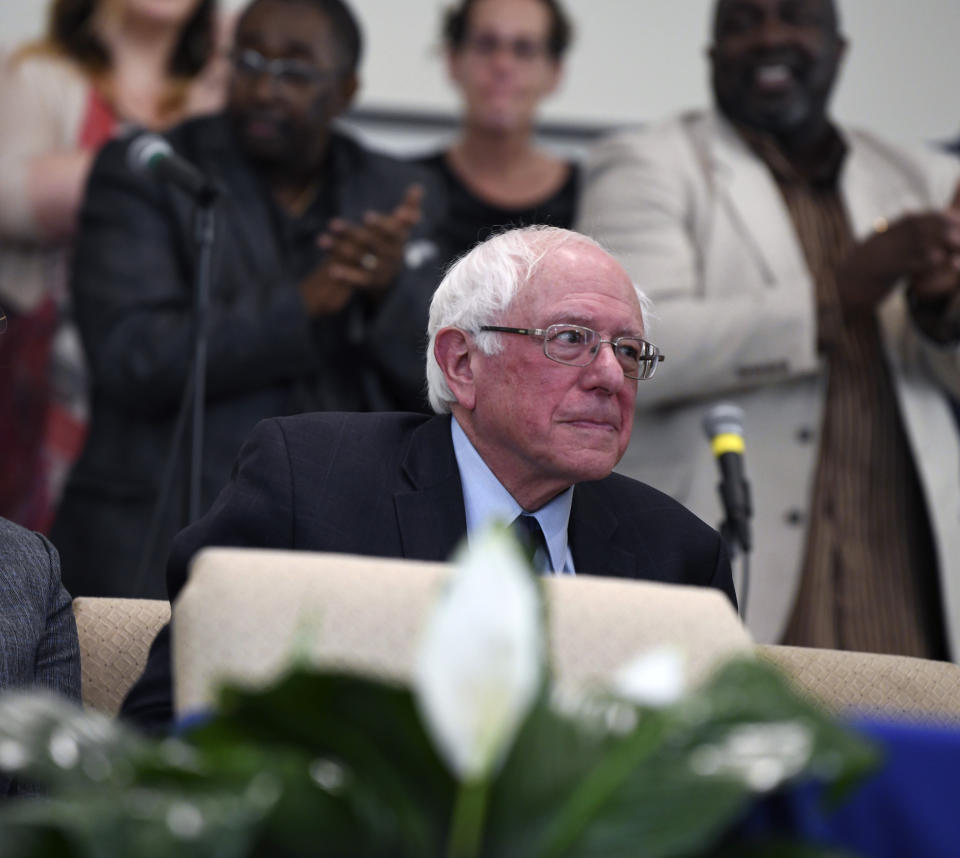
column 735, row 533
column 204, row 234
column 728, row 534
column 194, row 392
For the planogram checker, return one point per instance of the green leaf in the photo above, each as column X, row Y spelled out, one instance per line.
column 371, row 729
column 552, row 754
column 681, row 777
column 342, row 766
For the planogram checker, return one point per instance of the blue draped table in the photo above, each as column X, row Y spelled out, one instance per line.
column 910, row 808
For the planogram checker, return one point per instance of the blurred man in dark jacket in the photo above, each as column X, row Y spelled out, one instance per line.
column 316, row 302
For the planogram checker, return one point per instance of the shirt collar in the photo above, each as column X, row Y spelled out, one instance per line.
column 823, row 172
column 485, row 501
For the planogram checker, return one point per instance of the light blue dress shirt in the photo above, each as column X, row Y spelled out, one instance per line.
column 485, row 501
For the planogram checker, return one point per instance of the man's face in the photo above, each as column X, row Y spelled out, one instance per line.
column 503, row 68
column 540, row 425
column 282, row 119
column 775, row 62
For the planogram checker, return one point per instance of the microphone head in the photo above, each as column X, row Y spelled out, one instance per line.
column 724, row 418
column 145, row 151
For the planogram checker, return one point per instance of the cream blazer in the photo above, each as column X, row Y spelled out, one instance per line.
column 42, row 104
column 700, row 225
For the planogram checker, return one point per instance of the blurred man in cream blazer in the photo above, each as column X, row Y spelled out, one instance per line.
column 809, row 273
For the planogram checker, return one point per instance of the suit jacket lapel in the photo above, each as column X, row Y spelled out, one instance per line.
column 249, row 218
column 431, row 517
column 432, row 520
column 352, row 179
column 744, row 184
column 592, row 534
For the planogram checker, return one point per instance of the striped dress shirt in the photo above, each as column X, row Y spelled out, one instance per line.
column 869, row 576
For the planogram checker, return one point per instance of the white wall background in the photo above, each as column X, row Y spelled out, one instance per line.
column 636, row 60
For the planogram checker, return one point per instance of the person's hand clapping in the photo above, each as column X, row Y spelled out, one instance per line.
column 369, row 255
column 923, row 247
column 365, row 257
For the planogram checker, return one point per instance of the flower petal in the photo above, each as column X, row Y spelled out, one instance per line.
column 655, row 678
column 482, row 655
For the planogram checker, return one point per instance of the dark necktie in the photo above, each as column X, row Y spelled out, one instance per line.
column 530, row 534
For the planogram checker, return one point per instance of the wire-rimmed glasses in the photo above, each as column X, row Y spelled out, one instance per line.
column 576, row 345
column 287, row 72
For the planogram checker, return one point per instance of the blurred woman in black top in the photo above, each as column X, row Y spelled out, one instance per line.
column 504, row 57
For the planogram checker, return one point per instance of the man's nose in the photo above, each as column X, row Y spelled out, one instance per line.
column 774, row 32
column 264, row 86
column 502, row 58
column 605, row 370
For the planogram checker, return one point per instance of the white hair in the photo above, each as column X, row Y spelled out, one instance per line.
column 479, row 287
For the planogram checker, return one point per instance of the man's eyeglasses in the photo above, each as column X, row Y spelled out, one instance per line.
column 575, row 345
column 294, row 73
column 487, row 45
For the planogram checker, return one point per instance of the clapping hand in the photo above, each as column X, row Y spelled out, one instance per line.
column 923, row 247
column 363, row 257
column 943, row 280
column 369, row 255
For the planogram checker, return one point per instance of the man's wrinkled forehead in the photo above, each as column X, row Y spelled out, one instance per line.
column 827, row 8
column 578, row 275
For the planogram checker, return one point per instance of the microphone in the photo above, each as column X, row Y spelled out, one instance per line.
column 150, row 153
column 723, row 424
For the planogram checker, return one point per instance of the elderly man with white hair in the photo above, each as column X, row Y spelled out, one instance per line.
column 533, row 413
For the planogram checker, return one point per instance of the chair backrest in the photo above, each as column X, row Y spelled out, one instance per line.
column 244, row 613
column 115, row 637
column 888, row 686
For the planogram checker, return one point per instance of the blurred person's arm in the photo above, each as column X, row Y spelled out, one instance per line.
column 57, row 664
column 393, row 216
column 42, row 172
column 908, row 271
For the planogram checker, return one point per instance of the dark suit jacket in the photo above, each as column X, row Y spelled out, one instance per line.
column 133, row 289
column 387, row 485
column 38, row 634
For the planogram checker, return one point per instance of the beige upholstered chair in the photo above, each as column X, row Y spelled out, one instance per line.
column 115, row 636
column 888, row 686
column 244, row 612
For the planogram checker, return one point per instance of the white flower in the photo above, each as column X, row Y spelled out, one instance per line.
column 481, row 660
column 761, row 755
column 655, row 678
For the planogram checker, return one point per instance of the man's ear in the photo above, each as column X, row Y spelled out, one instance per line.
column 451, row 58
column 454, row 352
column 345, row 91
column 843, row 45
column 556, row 77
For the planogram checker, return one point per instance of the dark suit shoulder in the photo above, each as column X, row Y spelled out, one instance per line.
column 643, row 511
column 20, row 543
column 27, row 565
column 374, row 427
column 660, row 529
column 362, row 157
column 355, row 452
column 618, row 486
column 189, row 138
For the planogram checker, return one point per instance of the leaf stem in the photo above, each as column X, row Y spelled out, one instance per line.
column 575, row 814
column 469, row 813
